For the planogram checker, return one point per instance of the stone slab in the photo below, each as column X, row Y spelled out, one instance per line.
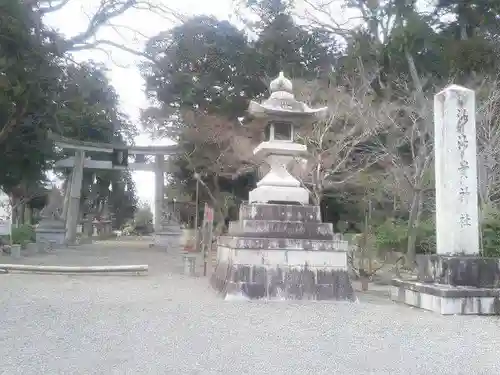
column 265, row 194
column 56, row 236
column 283, row 212
column 248, row 242
column 257, row 282
column 283, row 258
column 283, row 229
column 447, row 299
column 457, row 270
column 168, row 239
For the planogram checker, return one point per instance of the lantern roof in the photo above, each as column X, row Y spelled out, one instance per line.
column 282, row 102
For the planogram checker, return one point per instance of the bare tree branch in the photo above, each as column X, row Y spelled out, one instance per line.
column 339, row 147
column 104, row 16
column 49, row 6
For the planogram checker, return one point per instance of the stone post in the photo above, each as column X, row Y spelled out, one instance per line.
column 457, row 229
column 455, row 280
column 67, row 189
column 159, row 191
column 74, row 200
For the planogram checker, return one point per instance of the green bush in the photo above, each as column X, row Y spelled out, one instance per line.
column 426, row 237
column 23, row 234
column 391, row 235
column 491, row 232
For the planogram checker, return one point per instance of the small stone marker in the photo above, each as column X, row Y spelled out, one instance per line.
column 15, row 251
column 5, row 214
column 457, row 230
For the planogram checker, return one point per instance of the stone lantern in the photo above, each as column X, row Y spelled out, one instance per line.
column 279, row 247
column 284, row 114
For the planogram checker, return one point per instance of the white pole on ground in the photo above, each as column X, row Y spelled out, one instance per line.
column 69, row 269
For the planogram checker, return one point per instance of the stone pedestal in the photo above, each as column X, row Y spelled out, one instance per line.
column 169, row 237
column 278, row 185
column 282, row 251
column 51, row 231
column 465, row 285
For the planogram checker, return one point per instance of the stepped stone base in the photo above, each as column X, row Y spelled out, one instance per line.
column 282, row 251
column 449, row 285
column 447, row 299
column 283, row 282
column 480, row 272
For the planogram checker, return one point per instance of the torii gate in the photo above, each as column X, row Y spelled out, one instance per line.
column 79, row 162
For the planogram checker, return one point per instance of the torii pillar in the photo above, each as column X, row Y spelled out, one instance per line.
column 159, row 191
column 74, row 197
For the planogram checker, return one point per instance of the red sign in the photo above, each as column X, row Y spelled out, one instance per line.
column 209, row 214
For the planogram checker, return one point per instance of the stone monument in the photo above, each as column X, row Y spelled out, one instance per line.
column 5, row 214
column 51, row 228
column 168, row 236
column 455, row 280
column 279, row 248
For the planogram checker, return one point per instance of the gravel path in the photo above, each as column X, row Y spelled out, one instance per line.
column 165, row 323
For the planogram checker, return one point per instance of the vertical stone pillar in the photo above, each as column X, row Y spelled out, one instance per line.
column 74, row 197
column 159, row 190
column 456, row 280
column 457, row 229
column 67, row 189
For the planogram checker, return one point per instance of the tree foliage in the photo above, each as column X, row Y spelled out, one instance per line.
column 376, row 64
column 42, row 89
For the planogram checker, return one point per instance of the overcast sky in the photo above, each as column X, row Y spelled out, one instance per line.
column 123, row 72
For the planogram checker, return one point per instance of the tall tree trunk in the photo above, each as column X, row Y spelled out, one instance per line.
column 28, row 214
column 219, row 211
column 413, row 223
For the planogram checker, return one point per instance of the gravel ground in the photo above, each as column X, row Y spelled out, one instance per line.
column 165, row 323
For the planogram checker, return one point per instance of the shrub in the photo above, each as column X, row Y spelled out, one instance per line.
column 23, row 234
column 426, row 237
column 491, row 232
column 391, row 235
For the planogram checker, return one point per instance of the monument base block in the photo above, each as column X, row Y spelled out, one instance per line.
column 459, row 270
column 55, row 236
column 447, row 299
column 169, row 238
column 280, row 251
column 258, row 268
column 283, row 282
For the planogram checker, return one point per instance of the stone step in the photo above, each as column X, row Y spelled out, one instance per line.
column 282, row 229
column 280, row 212
column 258, row 243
